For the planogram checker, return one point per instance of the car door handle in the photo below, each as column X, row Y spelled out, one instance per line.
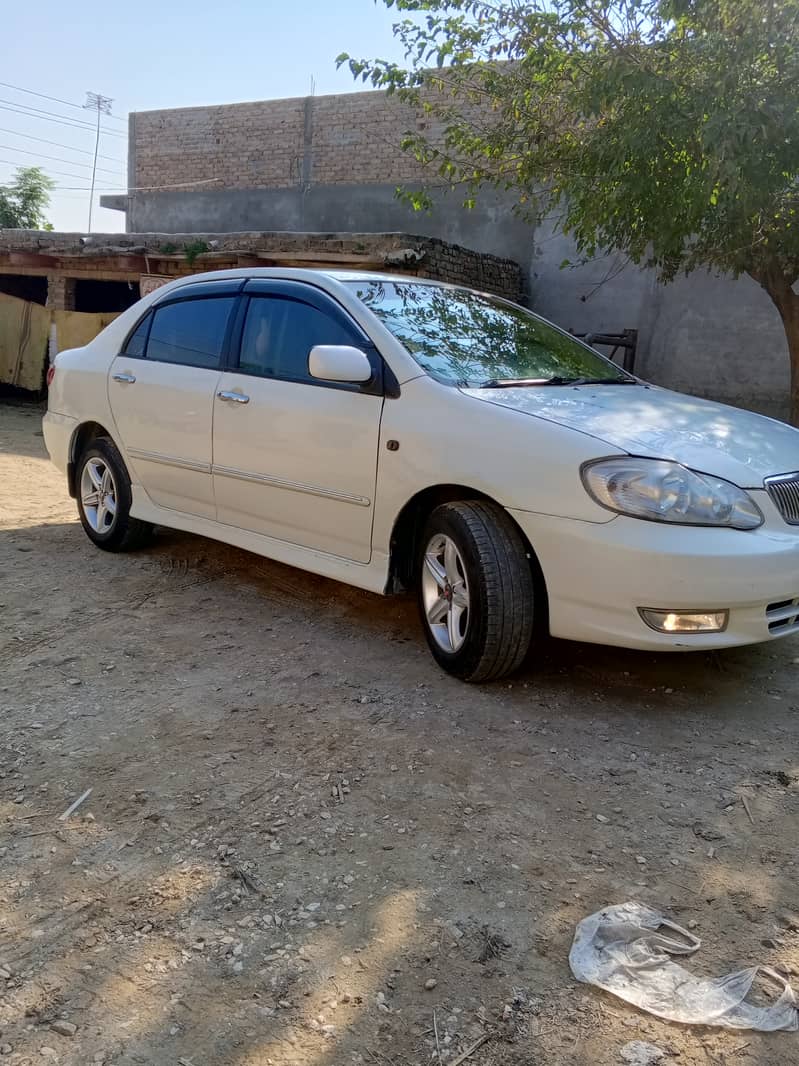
column 126, row 379
column 235, row 397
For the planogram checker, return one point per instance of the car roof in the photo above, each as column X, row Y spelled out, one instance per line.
column 306, row 274
column 377, row 275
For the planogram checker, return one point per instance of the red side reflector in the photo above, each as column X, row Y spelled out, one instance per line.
column 50, row 376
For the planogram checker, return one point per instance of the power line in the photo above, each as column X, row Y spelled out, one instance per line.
column 58, row 159
column 61, row 173
column 59, row 144
column 4, row 105
column 85, row 188
column 55, row 99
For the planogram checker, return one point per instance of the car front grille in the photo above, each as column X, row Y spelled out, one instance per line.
column 783, row 617
column 784, row 493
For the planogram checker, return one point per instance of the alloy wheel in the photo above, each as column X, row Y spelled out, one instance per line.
column 98, row 493
column 445, row 593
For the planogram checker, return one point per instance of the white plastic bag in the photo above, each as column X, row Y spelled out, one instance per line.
column 625, row 950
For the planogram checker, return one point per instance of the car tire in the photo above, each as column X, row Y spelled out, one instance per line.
column 476, row 590
column 104, row 499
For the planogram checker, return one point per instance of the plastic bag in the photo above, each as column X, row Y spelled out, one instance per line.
column 625, row 950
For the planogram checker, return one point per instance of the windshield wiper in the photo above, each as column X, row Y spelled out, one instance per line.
column 512, row 383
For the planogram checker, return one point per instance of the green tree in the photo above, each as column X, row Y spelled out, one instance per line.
column 664, row 129
column 24, row 201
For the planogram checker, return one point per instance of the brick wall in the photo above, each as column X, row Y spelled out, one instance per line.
column 238, row 145
column 341, row 139
column 125, row 256
column 60, row 292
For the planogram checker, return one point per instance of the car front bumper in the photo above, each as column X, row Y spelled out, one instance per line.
column 598, row 575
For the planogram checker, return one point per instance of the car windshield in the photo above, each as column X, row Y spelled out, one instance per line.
column 470, row 339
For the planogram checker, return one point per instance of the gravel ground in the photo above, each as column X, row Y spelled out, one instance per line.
column 306, row 845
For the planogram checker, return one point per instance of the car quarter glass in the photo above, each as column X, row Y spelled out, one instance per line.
column 279, row 333
column 189, row 332
column 136, row 346
column 467, row 338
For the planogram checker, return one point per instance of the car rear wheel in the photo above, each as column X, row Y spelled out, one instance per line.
column 476, row 590
column 104, row 499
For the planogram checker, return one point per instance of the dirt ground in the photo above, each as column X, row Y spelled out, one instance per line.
column 306, row 845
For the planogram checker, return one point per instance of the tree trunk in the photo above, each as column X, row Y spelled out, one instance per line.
column 778, row 286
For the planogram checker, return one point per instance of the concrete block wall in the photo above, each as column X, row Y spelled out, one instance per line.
column 704, row 334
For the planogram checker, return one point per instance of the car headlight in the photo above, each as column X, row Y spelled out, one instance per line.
column 662, row 491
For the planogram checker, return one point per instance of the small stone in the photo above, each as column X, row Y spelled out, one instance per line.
column 640, row 860
column 72, row 681
column 64, row 1028
column 346, row 960
column 48, row 1052
column 430, row 984
column 639, row 1053
column 693, row 923
column 602, row 818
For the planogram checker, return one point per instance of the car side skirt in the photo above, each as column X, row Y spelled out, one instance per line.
column 372, row 576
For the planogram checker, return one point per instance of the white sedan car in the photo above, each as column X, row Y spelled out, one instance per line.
column 396, row 433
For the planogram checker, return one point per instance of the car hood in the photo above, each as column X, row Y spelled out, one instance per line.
column 739, row 446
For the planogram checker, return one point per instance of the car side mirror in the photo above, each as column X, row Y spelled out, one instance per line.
column 339, row 362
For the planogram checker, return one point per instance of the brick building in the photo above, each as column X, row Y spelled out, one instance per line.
column 312, row 164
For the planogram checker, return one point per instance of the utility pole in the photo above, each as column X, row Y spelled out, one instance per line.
column 102, row 105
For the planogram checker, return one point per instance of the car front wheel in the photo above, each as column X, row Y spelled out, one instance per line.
column 104, row 499
column 476, row 590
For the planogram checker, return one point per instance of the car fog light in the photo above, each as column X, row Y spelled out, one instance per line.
column 685, row 621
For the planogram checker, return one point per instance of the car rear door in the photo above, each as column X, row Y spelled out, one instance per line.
column 296, row 458
column 161, row 390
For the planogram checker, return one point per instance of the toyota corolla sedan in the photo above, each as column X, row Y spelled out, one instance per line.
column 395, row 433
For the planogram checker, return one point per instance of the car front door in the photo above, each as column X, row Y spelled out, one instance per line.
column 295, row 458
column 161, row 389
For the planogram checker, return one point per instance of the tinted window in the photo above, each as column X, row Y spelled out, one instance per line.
column 279, row 334
column 137, row 341
column 462, row 337
column 190, row 332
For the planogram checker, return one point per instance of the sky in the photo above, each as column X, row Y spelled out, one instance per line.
column 147, row 55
